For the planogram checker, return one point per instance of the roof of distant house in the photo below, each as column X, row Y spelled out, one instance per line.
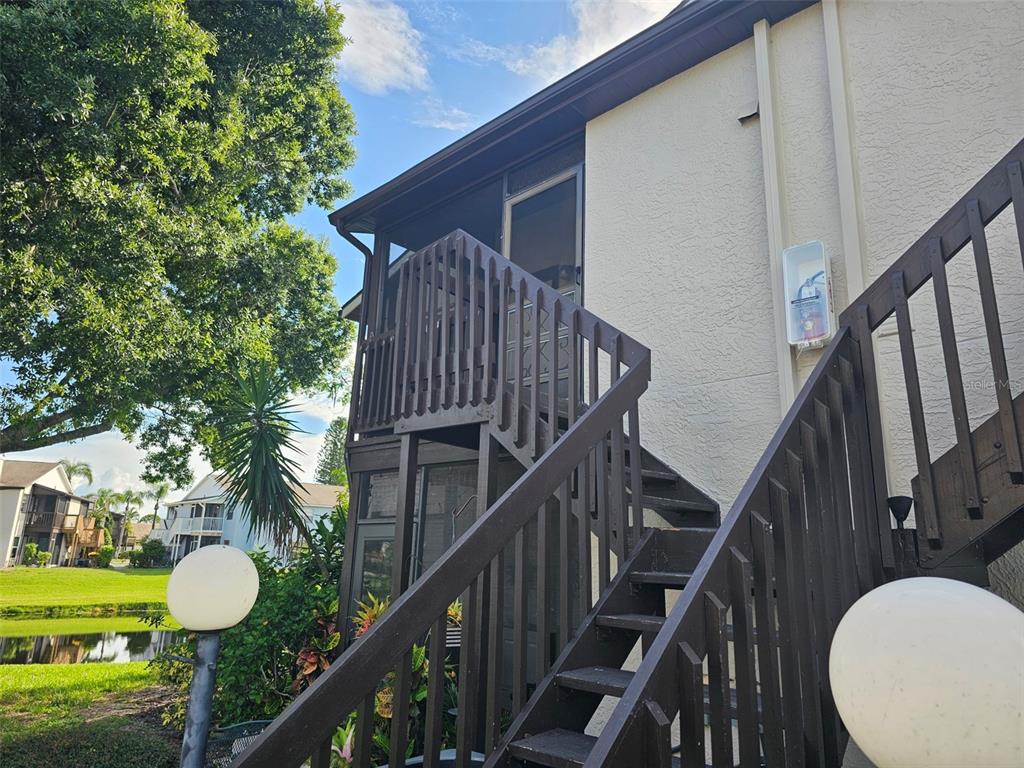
column 310, row 494
column 21, row 474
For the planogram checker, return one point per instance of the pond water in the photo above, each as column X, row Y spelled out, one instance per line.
column 86, row 648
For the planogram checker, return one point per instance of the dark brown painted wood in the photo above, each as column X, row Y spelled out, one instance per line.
column 363, row 747
column 691, row 716
column 437, row 655
column 1011, row 433
column 469, row 670
column 401, row 565
column 658, row 750
column 767, row 640
column 741, row 590
column 718, row 680
column 400, row 711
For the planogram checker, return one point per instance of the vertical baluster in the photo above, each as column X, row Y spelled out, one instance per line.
column 854, row 409
column 554, row 319
column 691, row 706
column 767, row 641
column 423, row 332
column 875, row 446
column 536, row 441
column 434, row 724
column 636, row 481
column 322, row 757
column 401, row 338
column 1012, row 437
column 954, row 379
column 473, row 350
column 841, row 479
column 835, row 517
column 438, row 387
column 376, row 382
column 657, row 737
column 819, row 514
column 1016, row 176
column 582, row 502
column 519, row 628
column 460, row 318
column 741, row 599
column 543, row 608
column 517, row 387
column 364, row 732
column 447, row 374
column 501, row 383
column 564, row 566
column 600, row 472
column 790, row 624
column 401, row 691
column 389, row 398
column 928, row 514
column 718, row 681
column 488, row 341
column 495, row 651
column 618, row 462
column 811, row 569
column 469, row 666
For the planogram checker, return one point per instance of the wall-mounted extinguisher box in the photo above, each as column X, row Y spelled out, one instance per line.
column 810, row 320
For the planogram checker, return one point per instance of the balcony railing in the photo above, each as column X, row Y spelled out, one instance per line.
column 202, row 525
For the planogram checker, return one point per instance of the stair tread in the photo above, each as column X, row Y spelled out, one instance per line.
column 557, row 748
column 640, row 622
column 658, row 476
column 676, row 505
column 665, row 578
column 608, row 681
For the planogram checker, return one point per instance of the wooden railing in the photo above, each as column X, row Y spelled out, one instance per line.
column 523, row 569
column 809, row 532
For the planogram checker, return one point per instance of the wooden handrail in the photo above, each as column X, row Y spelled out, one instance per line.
column 314, row 716
column 809, row 531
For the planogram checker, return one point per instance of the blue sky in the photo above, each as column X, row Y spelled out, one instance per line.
column 419, row 75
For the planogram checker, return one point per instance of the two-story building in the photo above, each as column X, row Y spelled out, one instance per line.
column 38, row 506
column 204, row 516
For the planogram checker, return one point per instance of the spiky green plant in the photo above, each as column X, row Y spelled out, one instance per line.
column 157, row 493
column 255, row 429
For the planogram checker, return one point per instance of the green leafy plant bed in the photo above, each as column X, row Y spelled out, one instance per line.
column 99, row 715
column 78, row 625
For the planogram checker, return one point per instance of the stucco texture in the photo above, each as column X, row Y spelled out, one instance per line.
column 676, row 249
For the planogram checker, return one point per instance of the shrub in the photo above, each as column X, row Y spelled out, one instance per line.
column 104, row 556
column 43, row 558
column 31, row 554
column 152, row 554
column 266, row 658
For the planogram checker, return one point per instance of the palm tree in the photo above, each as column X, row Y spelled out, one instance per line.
column 255, row 430
column 132, row 501
column 75, row 469
column 157, row 493
column 103, row 502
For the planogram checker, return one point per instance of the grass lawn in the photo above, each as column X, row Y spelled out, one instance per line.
column 22, row 588
column 78, row 625
column 98, row 715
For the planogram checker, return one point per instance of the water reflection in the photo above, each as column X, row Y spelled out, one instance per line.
column 96, row 647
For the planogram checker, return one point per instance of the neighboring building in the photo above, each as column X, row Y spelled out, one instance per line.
column 203, row 516
column 587, row 298
column 38, row 505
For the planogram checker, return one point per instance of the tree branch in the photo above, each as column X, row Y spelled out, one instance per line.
column 60, row 437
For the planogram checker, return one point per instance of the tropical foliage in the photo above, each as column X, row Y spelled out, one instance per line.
column 264, row 659
column 156, row 493
column 151, row 152
column 75, row 469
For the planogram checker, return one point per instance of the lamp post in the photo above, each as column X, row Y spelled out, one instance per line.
column 210, row 590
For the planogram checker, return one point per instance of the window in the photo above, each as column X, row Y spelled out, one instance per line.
column 230, row 514
column 226, row 542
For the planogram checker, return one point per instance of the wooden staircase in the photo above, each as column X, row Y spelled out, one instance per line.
column 737, row 666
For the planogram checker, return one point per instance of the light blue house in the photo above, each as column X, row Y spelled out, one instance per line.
column 203, row 516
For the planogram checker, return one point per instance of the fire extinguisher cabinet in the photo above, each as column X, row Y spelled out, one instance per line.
column 810, row 318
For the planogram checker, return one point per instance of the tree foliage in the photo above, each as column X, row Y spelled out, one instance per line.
column 330, row 462
column 151, row 150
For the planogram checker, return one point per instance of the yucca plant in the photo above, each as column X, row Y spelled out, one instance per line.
column 255, row 429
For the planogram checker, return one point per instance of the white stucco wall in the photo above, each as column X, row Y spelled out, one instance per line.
column 10, row 521
column 676, row 249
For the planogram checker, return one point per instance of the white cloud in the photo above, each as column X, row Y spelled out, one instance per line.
column 434, row 114
column 600, row 26
column 385, row 52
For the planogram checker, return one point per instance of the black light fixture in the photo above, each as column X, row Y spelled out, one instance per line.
column 900, row 508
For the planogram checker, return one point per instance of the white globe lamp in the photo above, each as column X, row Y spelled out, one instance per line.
column 211, row 589
column 930, row 671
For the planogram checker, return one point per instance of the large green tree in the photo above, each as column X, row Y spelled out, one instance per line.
column 330, row 462
column 150, row 152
